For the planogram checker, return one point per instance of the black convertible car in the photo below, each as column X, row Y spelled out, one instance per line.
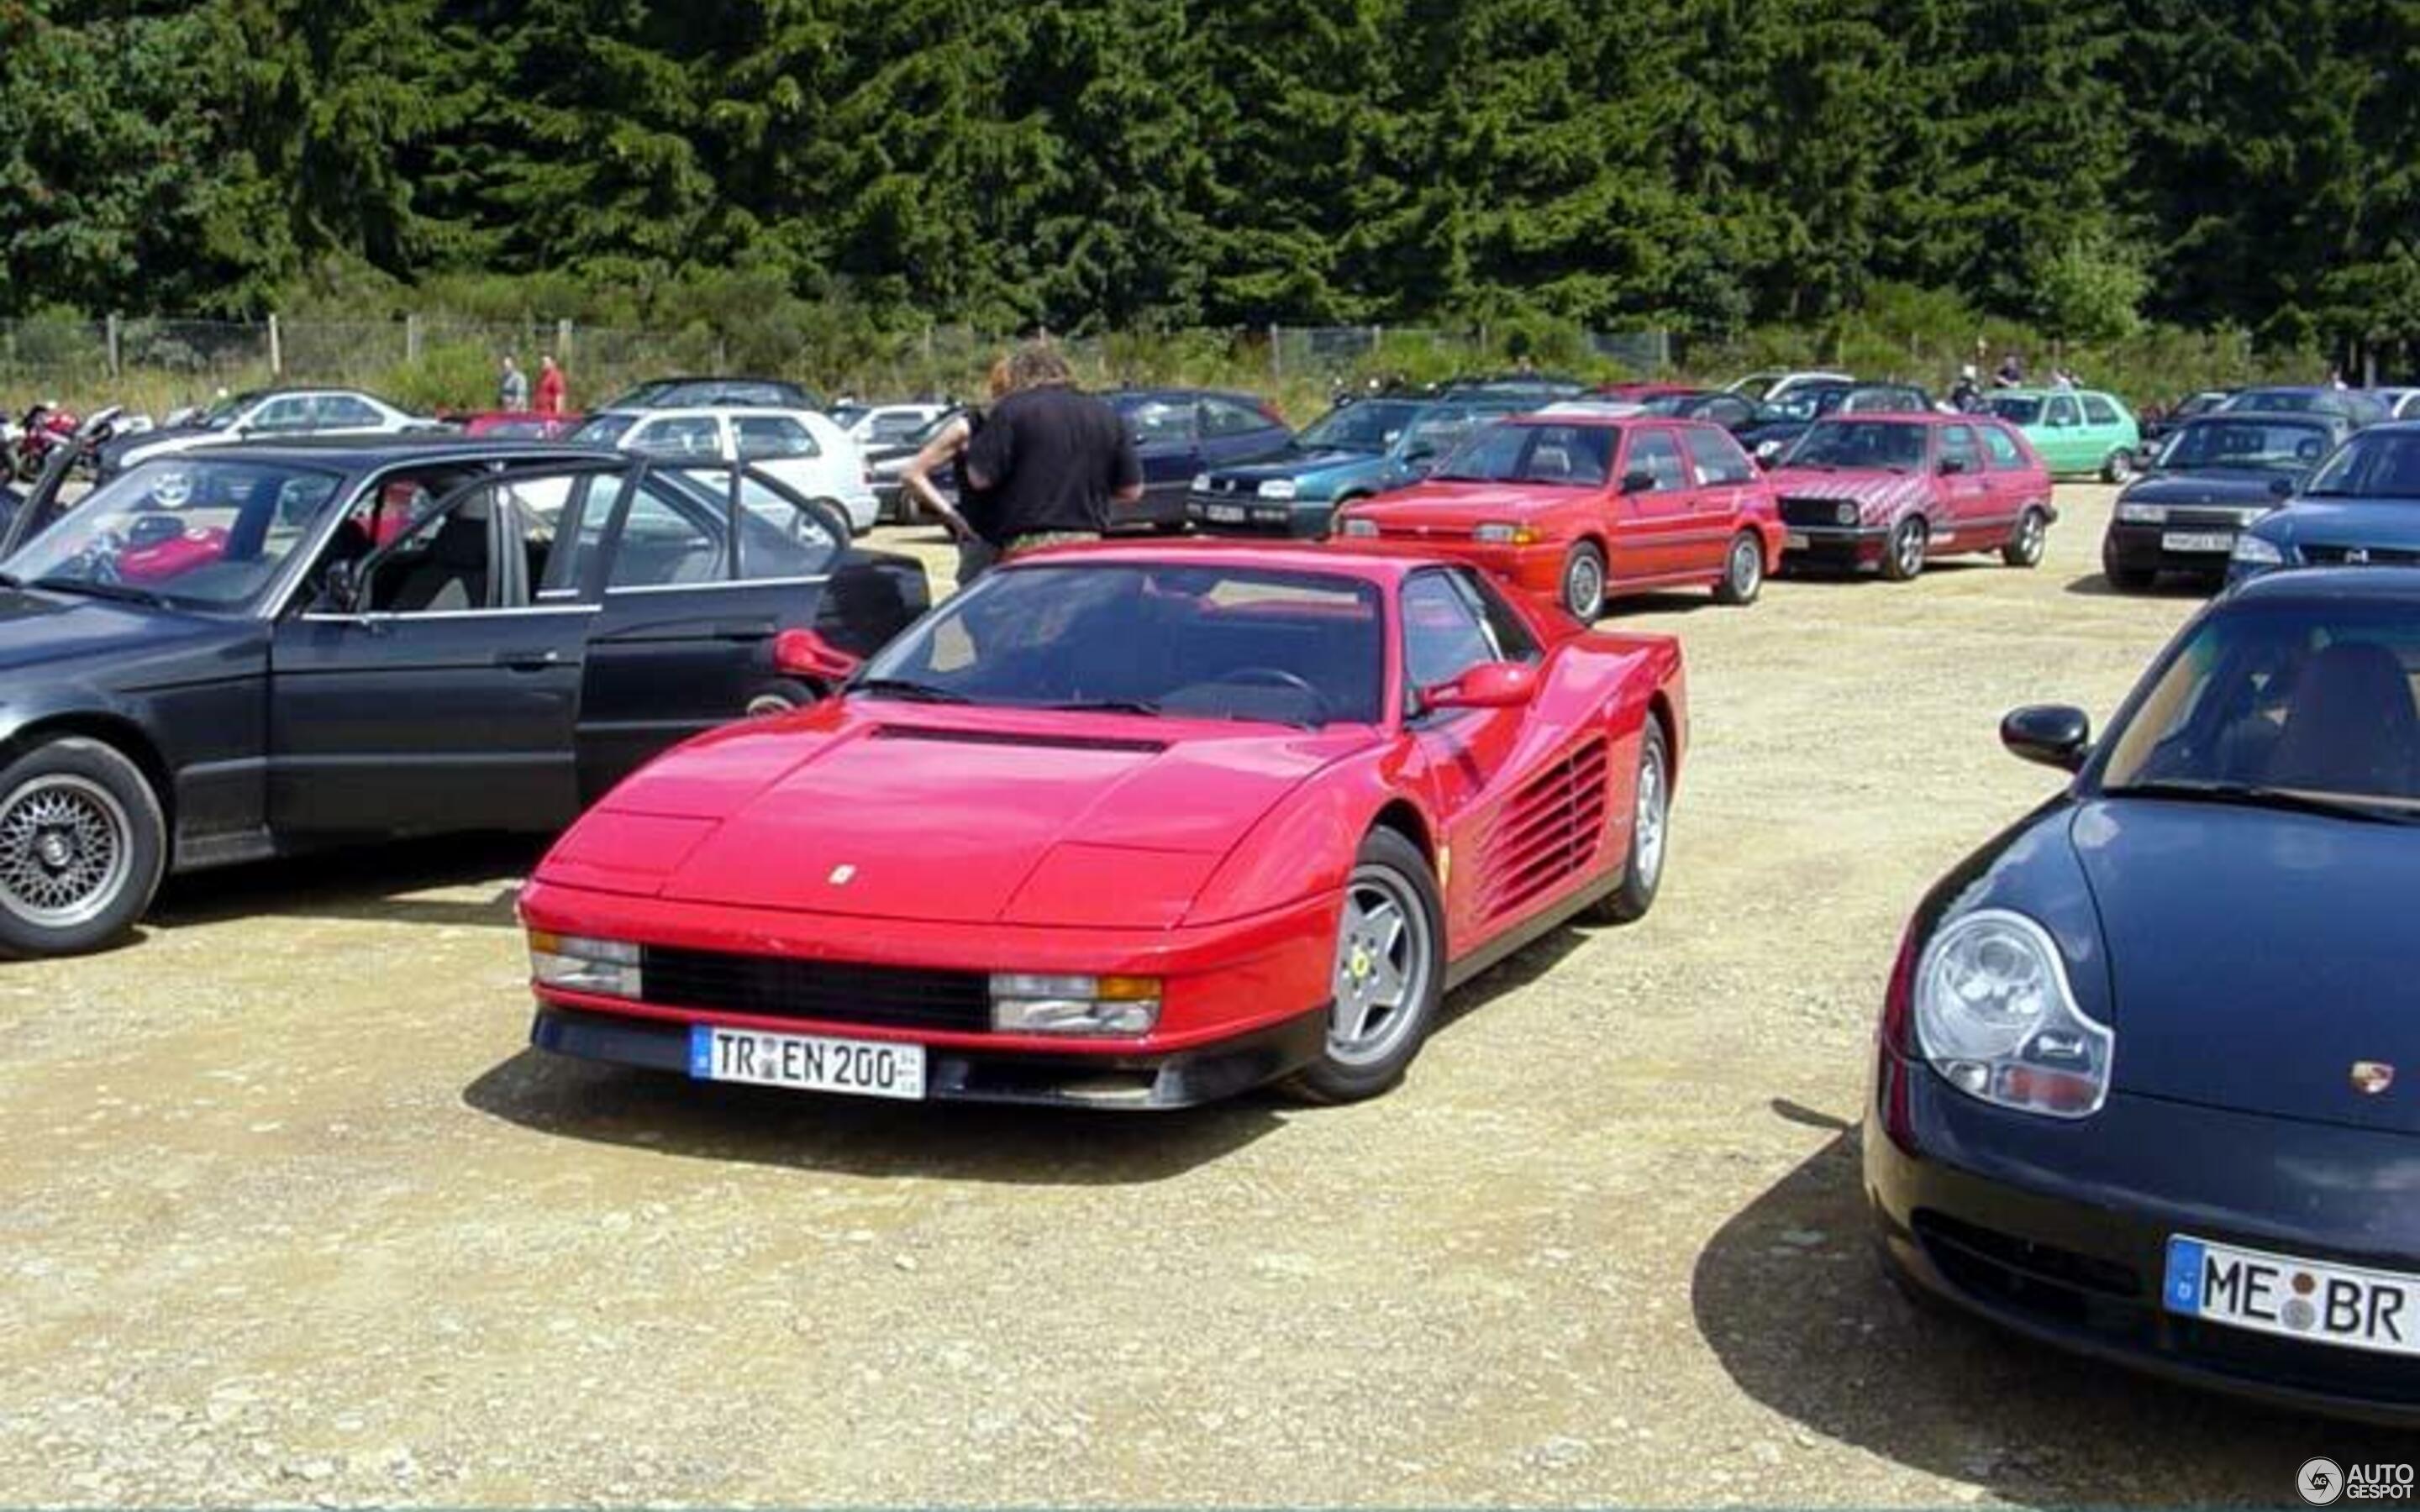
column 2149, row 1073
column 232, row 655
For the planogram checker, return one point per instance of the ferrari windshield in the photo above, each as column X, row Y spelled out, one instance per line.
column 1176, row 640
column 2375, row 465
column 194, row 531
column 1572, row 456
column 2282, row 700
column 1880, row 445
column 1371, row 425
column 2272, row 446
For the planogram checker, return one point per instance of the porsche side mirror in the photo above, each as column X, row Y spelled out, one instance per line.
column 1638, row 482
column 1491, row 685
column 805, row 653
column 2052, row 734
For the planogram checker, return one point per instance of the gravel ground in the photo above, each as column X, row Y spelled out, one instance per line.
column 289, row 1213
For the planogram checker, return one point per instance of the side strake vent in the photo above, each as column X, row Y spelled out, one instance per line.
column 1003, row 738
column 1549, row 831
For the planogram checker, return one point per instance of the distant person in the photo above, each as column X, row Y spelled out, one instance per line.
column 973, row 520
column 1966, row 395
column 2061, row 379
column 550, row 387
column 512, row 389
column 2010, row 374
column 1053, row 460
column 2335, row 378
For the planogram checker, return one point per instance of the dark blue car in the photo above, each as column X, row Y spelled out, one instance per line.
column 2149, row 1073
column 2212, row 477
column 1178, row 432
column 2359, row 509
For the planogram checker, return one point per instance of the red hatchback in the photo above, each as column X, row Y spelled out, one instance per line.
column 1583, row 508
column 1891, row 490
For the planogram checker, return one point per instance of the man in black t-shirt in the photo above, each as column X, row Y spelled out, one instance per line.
column 1054, row 460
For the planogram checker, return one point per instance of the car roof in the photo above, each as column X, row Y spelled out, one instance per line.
column 369, row 451
column 1320, row 558
column 2330, row 585
column 2323, row 419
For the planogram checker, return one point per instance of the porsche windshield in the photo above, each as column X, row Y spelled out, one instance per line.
column 194, row 532
column 1879, row 445
column 2275, row 446
column 1180, row 640
column 2282, row 703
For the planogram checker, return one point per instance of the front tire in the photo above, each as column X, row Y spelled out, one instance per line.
column 1642, row 870
column 1743, row 570
column 1584, row 582
column 2119, row 467
column 1388, row 977
column 83, row 845
column 1903, row 554
column 2024, row 547
column 1329, row 528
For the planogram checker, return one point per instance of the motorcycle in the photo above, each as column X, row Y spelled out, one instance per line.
column 43, row 430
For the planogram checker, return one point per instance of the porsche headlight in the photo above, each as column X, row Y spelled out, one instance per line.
column 1280, row 488
column 2254, row 552
column 1024, row 1003
column 578, row 965
column 1994, row 1017
column 2143, row 513
column 1361, row 530
column 1502, row 535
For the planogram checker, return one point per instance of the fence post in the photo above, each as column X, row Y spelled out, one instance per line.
column 1277, row 352
column 412, row 339
column 276, row 350
column 563, row 343
column 111, row 327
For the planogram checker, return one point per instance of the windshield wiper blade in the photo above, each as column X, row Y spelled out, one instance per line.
column 122, row 593
column 2257, row 795
column 1104, row 706
column 908, row 689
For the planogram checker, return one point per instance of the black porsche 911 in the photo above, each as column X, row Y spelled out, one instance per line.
column 2148, row 1071
column 233, row 655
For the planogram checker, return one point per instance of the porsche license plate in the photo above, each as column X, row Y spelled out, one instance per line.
column 1225, row 514
column 806, row 1062
column 2197, row 541
column 2316, row 1302
column 1794, row 541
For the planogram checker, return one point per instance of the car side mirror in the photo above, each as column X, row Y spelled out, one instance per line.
column 2051, row 734
column 805, row 653
column 340, row 586
column 1638, row 482
column 1491, row 685
column 1952, row 465
column 1764, row 460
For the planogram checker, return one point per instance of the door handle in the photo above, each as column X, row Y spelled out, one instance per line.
column 528, row 661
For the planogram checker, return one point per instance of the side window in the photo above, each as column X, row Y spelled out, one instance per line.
column 343, row 409
column 1157, row 422
column 1729, row 411
column 2007, row 454
column 687, row 437
column 1511, row 633
column 283, row 414
column 666, row 541
column 764, row 437
column 1958, row 445
column 2063, row 411
column 1652, row 452
column 1717, row 457
column 1443, row 634
column 780, row 537
column 1221, row 417
column 444, row 566
column 2098, row 410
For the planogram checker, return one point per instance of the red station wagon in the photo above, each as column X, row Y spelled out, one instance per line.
column 1582, row 508
column 1891, row 490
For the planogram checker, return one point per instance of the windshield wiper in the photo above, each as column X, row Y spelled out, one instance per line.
column 908, row 689
column 2257, row 796
column 122, row 593
column 1104, row 706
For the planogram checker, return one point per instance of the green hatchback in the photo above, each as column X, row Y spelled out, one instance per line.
column 2079, row 432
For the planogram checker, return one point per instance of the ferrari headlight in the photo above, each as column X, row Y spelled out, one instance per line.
column 1500, row 535
column 1280, row 488
column 1994, row 1017
column 1361, row 530
column 1202, row 482
column 1847, row 512
column 2254, row 552
column 577, row 965
column 1022, row 1003
column 2143, row 513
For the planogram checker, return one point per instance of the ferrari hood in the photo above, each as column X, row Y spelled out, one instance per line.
column 2257, row 956
column 945, row 815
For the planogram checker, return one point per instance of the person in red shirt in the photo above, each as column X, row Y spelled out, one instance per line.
column 550, row 387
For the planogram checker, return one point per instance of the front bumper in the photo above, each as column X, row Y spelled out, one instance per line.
column 1140, row 1082
column 2058, row 1230
column 1244, row 514
column 1833, row 545
column 2142, row 549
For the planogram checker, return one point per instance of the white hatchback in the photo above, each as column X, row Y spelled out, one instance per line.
column 799, row 449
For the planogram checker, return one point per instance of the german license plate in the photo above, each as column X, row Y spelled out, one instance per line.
column 806, row 1062
column 2317, row 1303
column 1226, row 513
column 2197, row 541
column 1794, row 541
